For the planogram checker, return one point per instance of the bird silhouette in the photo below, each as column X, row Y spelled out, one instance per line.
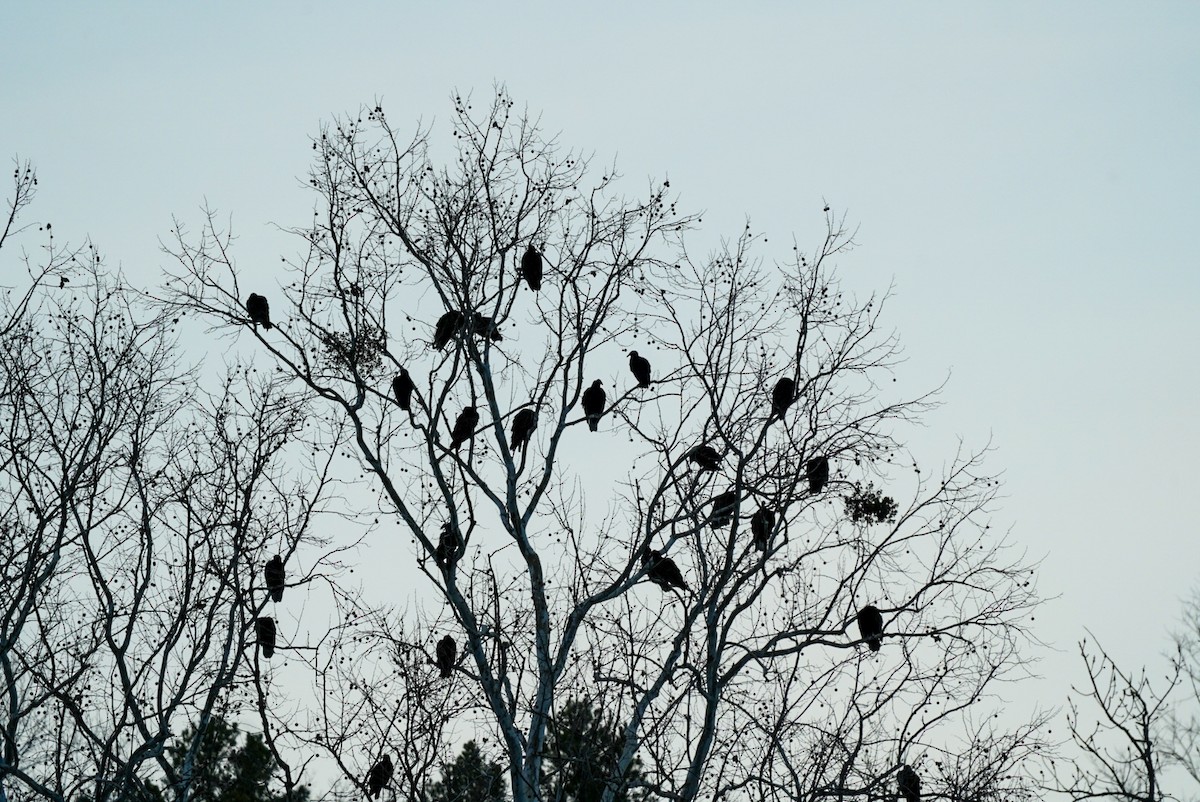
column 531, row 268
column 816, row 470
column 524, row 422
column 870, row 626
column 259, row 310
column 464, row 427
column 402, row 387
column 783, row 395
column 274, row 577
column 485, row 327
column 593, row 404
column 706, row 458
column 379, row 776
column 446, row 652
column 908, row 784
column 448, row 325
column 264, row 628
column 448, row 545
column 662, row 570
column 640, row 366
column 723, row 507
column 762, row 524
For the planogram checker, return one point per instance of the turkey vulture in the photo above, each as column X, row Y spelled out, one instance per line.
column 446, row 652
column 531, row 268
column 593, row 404
column 447, row 547
column 264, row 628
column 448, row 325
column 662, row 570
column 762, row 524
column 485, row 327
column 641, row 368
column 706, row 458
column 464, row 427
column 524, row 422
column 723, row 505
column 870, row 626
column 379, row 776
column 817, row 473
column 260, row 310
column 274, row 576
column 908, row 784
column 782, row 396
column 402, row 386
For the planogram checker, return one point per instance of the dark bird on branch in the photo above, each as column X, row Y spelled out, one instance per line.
column 641, row 368
column 908, row 784
column 264, row 628
column 782, row 396
column 260, row 311
column 816, row 470
column 448, row 325
column 870, row 626
column 706, row 458
column 446, row 652
column 464, row 427
column 723, row 506
column 274, row 576
column 593, row 404
column 524, row 422
column 662, row 570
column 448, row 545
column 762, row 524
column 402, row 387
column 531, row 268
column 379, row 776
column 485, row 327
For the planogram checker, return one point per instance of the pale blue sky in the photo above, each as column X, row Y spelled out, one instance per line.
column 1026, row 174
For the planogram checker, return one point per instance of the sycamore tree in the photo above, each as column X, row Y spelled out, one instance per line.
column 672, row 484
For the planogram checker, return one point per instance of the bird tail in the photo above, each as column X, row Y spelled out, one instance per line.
column 873, row 644
column 277, row 595
column 446, row 671
column 593, row 423
column 267, row 325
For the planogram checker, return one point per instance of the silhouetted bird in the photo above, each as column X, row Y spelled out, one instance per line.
column 448, row 325
column 531, row 268
column 524, row 422
column 448, row 545
column 379, row 776
column 706, row 458
column 260, row 310
column 662, row 570
column 870, row 626
column 762, row 524
column 464, row 427
column 641, row 368
column 264, row 628
column 485, row 327
column 723, row 506
column 817, row 473
column 402, row 387
column 446, row 652
column 908, row 784
column 593, row 404
column 782, row 396
column 274, row 576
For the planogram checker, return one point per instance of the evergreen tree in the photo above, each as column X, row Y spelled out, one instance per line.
column 581, row 757
column 469, row 779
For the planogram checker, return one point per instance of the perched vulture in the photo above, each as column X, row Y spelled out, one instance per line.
column 870, row 626
column 379, row 776
column 264, row 628
column 908, row 784
column 274, row 576
column 593, row 403
column 817, row 473
column 485, row 327
column 448, row 545
column 641, row 368
column 448, row 325
column 531, row 268
column 446, row 652
column 782, row 396
column 762, row 524
column 662, row 570
column 402, row 386
column 524, row 422
column 260, row 310
column 464, row 427
column 723, row 506
column 706, row 458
